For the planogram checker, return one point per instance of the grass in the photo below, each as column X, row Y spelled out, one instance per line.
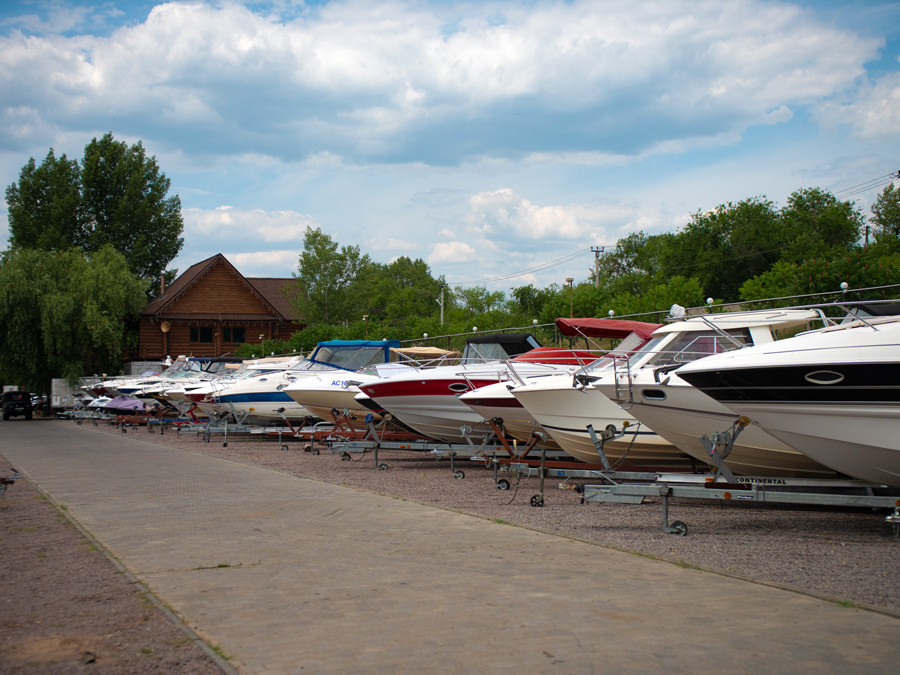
column 218, row 650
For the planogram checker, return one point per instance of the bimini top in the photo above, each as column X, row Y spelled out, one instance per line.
column 349, row 354
column 605, row 328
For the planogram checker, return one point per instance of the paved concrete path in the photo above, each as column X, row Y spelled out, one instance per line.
column 287, row 575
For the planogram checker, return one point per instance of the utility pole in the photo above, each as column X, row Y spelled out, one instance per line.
column 597, row 250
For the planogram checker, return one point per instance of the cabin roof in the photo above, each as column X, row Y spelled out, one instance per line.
column 275, row 293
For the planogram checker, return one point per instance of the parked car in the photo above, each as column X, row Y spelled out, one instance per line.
column 17, row 403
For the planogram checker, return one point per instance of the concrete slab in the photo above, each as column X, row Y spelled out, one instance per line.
column 286, row 574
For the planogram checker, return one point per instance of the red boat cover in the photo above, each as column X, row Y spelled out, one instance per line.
column 603, row 328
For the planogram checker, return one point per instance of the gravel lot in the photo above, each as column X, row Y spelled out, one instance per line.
column 58, row 594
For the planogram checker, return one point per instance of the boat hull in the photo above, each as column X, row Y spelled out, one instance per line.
column 833, row 394
column 565, row 412
column 859, row 441
column 496, row 402
column 682, row 415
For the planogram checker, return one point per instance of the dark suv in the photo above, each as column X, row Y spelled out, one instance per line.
column 16, row 403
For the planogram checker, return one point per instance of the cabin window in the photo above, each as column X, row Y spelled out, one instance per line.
column 202, row 334
column 234, row 334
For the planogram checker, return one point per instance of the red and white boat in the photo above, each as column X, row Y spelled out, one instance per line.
column 428, row 401
column 496, row 401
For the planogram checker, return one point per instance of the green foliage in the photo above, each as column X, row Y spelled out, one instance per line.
column 402, row 289
column 64, row 315
column 886, row 214
column 45, row 205
column 116, row 197
column 744, row 238
column 877, row 266
column 817, row 225
column 677, row 290
column 478, row 300
column 529, row 300
column 331, row 280
column 125, row 204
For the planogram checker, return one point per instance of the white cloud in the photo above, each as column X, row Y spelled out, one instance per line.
column 263, row 264
column 451, row 252
column 873, row 113
column 250, row 225
column 372, row 79
column 391, row 244
column 503, row 213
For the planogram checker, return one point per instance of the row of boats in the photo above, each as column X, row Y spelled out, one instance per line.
column 811, row 392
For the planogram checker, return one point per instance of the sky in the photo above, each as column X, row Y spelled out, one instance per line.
column 500, row 142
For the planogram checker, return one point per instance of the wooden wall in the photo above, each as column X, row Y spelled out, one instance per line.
column 218, row 299
column 219, row 292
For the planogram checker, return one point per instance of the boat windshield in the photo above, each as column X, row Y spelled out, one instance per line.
column 687, row 347
column 345, row 357
column 631, row 346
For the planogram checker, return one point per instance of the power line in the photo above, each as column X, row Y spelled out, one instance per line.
column 514, row 275
column 871, row 184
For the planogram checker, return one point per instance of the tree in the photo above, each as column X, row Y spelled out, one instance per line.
column 886, row 214
column 528, row 300
column 118, row 196
column 478, row 300
column 45, row 205
column 816, row 225
column 723, row 247
column 64, row 315
column 331, row 280
column 125, row 204
column 400, row 290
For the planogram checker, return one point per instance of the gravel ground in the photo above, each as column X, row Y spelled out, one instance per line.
column 848, row 555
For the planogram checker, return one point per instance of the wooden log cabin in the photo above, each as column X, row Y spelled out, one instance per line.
column 212, row 309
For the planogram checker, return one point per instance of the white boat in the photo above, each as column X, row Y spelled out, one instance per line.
column 565, row 407
column 429, row 402
column 198, row 396
column 496, row 401
column 654, row 393
column 181, row 370
column 330, row 396
column 833, row 394
column 263, row 400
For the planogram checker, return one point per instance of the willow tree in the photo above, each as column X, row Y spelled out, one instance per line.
column 64, row 314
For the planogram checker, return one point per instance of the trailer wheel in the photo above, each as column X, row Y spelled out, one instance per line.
column 459, row 474
column 537, row 500
column 314, row 451
column 284, row 448
column 502, row 484
column 678, row 528
column 345, row 456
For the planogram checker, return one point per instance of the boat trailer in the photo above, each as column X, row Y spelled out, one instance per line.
column 722, row 484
